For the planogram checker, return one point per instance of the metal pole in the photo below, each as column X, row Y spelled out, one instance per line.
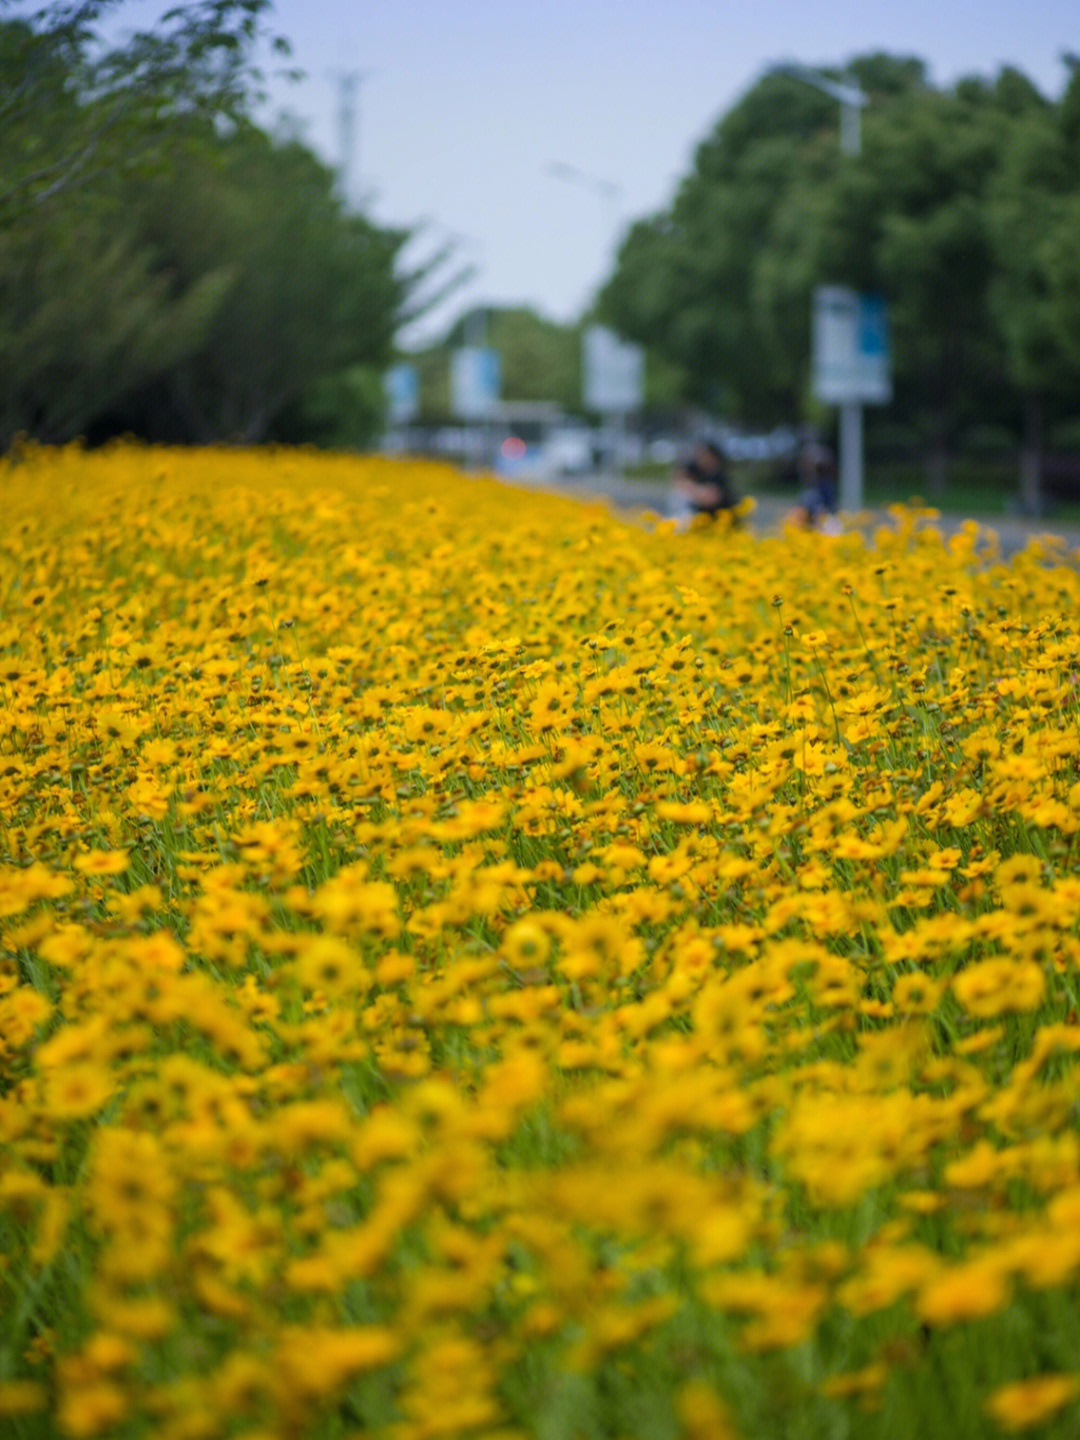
column 349, row 83
column 851, row 416
column 607, row 191
column 850, row 128
column 851, row 457
column 616, row 446
column 851, row 99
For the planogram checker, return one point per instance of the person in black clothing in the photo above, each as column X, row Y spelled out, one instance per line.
column 703, row 482
column 817, row 499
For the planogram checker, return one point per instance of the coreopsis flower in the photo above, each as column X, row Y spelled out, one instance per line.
column 503, row 937
column 998, row 986
column 313, row 1362
column 329, row 965
column 19, row 1398
column 102, row 862
column 703, row 1414
column 968, row 1290
column 1025, row 1404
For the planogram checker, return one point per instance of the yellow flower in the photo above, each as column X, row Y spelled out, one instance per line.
column 886, row 1273
column 93, row 1407
column 130, row 1180
column 526, row 945
column 143, row 1317
column 917, row 994
column 327, row 964
column 703, row 1414
column 314, row 1360
column 19, row 889
column 867, row 1381
column 997, row 986
column 1027, row 1403
column 102, row 862
column 78, row 1090
column 968, row 1290
column 517, row 913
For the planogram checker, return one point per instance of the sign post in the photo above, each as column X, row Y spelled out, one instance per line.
column 851, row 368
column 401, row 385
column 614, row 380
column 475, row 380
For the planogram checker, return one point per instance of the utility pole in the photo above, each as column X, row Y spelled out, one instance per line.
column 348, row 84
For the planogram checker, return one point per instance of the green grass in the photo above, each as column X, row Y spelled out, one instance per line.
column 972, row 487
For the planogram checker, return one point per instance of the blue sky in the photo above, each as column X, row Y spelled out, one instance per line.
column 462, row 105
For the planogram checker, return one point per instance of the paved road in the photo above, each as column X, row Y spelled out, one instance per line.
column 637, row 496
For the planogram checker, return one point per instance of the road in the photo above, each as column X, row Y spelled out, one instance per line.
column 634, row 497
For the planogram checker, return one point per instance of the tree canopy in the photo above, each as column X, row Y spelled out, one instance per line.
column 74, row 109
column 167, row 267
column 960, row 208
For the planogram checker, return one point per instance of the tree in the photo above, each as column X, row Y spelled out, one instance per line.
column 314, row 290
column 1033, row 209
column 211, row 298
column 540, row 360
column 86, row 320
column 713, row 284
column 960, row 208
column 86, row 317
column 909, row 220
column 1062, row 259
column 74, row 111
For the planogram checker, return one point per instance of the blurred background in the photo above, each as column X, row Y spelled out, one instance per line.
column 244, row 223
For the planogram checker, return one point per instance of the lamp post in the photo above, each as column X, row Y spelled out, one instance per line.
column 611, row 196
column 605, row 190
column 852, row 100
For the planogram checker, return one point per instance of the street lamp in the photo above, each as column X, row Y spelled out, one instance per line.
column 606, row 190
column 852, row 100
column 611, row 195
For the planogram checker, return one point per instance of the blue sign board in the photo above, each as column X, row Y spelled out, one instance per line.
column 852, row 363
column 873, row 327
column 402, row 386
column 475, row 378
column 613, row 372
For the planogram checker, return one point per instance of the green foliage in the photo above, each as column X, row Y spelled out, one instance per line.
column 720, row 285
column 215, row 297
column 1033, row 207
column 1029, row 205
column 315, row 290
column 345, row 410
column 540, row 359
column 74, row 114
column 86, row 318
column 909, row 219
column 960, row 207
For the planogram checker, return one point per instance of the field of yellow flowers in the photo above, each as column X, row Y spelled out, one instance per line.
column 471, row 966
